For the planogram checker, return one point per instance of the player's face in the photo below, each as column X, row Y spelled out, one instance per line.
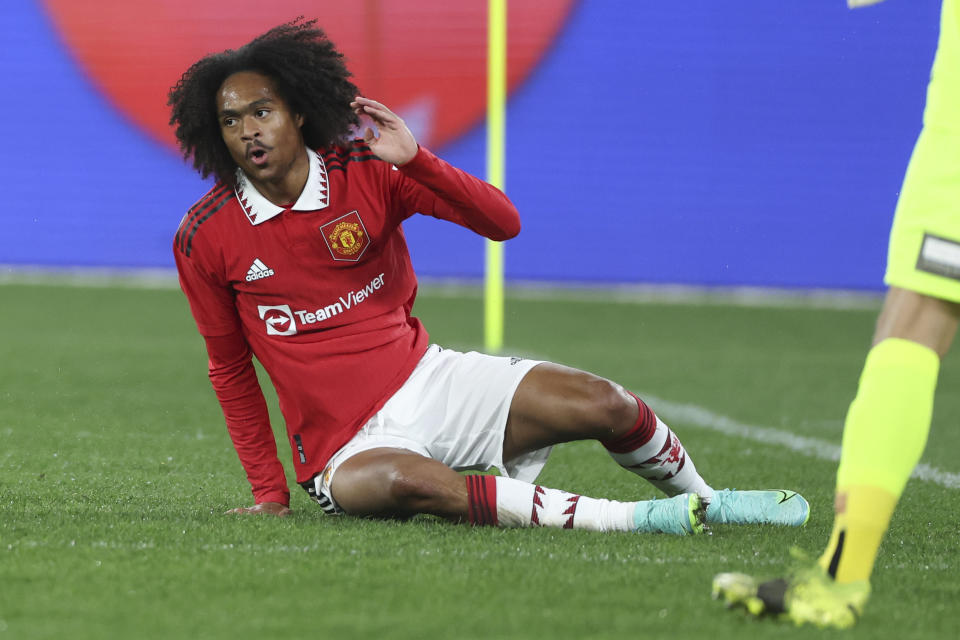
column 258, row 127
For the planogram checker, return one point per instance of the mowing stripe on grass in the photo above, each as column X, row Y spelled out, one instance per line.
column 697, row 416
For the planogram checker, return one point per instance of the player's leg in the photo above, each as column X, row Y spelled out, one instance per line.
column 554, row 404
column 887, row 426
column 396, row 483
column 388, row 482
column 888, row 421
column 883, row 438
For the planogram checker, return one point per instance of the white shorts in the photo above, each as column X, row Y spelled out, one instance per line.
column 453, row 408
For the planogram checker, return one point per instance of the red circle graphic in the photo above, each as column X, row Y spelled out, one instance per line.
column 426, row 59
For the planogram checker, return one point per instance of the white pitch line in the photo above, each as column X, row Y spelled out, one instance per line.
column 813, row 447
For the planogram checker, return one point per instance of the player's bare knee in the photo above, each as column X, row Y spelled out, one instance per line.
column 414, row 492
column 609, row 410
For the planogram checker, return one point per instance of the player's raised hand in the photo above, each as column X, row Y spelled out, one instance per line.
column 395, row 144
column 264, row 508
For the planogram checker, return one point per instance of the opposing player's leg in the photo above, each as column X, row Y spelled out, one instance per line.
column 883, row 438
column 887, row 426
column 554, row 404
column 889, row 420
column 388, row 482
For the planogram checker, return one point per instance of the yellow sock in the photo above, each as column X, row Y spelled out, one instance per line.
column 883, row 439
column 863, row 515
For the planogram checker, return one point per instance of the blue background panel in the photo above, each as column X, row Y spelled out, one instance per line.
column 748, row 143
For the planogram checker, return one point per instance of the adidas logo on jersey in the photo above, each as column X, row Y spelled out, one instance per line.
column 258, row 271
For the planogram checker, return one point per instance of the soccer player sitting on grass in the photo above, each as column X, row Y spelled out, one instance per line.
column 297, row 256
column 888, row 422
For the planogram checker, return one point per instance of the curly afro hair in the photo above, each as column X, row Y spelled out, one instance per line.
column 309, row 74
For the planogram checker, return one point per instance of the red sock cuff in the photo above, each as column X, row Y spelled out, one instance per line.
column 482, row 500
column 639, row 435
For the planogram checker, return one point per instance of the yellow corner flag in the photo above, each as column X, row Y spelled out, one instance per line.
column 496, row 133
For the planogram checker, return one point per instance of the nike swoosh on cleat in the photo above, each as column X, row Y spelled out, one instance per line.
column 786, row 495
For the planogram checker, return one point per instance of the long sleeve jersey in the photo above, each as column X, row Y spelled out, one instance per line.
column 321, row 292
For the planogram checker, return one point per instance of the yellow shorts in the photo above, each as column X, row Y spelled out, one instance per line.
column 924, row 253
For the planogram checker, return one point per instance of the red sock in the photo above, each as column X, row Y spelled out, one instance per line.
column 639, row 435
column 482, row 500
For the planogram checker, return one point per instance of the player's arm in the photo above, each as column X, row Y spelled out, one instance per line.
column 235, row 382
column 433, row 186
column 248, row 422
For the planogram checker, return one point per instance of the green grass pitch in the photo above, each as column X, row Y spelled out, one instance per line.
column 115, row 468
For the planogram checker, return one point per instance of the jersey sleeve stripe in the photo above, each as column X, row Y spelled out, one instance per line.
column 198, row 208
column 195, row 211
column 217, row 207
column 340, row 167
column 213, row 193
column 336, row 163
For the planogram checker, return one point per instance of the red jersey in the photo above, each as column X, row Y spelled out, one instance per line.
column 320, row 292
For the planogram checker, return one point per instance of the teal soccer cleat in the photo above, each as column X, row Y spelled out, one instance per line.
column 775, row 506
column 680, row 515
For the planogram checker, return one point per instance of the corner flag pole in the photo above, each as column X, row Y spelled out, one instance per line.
column 496, row 133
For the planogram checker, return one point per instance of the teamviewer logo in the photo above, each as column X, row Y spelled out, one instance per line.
column 279, row 320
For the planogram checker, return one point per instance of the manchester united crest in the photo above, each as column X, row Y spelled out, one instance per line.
column 346, row 237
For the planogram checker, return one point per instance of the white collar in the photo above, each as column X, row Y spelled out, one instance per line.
column 315, row 194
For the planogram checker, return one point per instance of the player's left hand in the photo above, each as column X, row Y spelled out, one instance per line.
column 395, row 144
